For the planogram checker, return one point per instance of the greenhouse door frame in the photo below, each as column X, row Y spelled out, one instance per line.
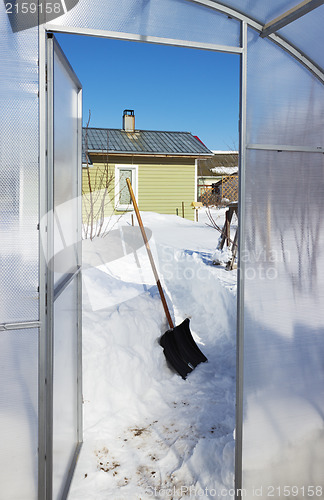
column 44, row 32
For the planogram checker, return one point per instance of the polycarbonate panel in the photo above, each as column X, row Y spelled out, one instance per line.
column 66, row 170
column 18, row 414
column 306, row 33
column 177, row 19
column 283, row 385
column 18, row 174
column 262, row 11
column 65, row 417
column 285, row 102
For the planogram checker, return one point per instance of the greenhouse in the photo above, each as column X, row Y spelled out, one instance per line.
column 279, row 433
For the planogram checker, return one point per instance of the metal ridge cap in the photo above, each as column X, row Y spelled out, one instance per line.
column 146, row 153
column 140, row 130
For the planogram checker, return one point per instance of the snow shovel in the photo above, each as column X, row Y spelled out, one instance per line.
column 179, row 347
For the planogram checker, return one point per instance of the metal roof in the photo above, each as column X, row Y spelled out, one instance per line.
column 142, row 142
column 224, row 170
column 221, row 163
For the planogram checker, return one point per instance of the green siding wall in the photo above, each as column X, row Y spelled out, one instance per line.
column 161, row 188
column 102, row 197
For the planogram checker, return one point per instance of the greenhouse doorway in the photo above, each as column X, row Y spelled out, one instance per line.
column 65, row 211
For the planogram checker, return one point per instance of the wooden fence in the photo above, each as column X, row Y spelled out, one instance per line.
column 225, row 190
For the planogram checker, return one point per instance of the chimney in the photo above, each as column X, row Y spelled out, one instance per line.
column 128, row 120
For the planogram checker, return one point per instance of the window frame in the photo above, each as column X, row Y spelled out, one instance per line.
column 118, row 168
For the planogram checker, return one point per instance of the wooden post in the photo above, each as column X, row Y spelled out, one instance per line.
column 226, row 231
column 228, row 227
column 230, row 263
column 183, row 210
column 196, row 205
column 132, row 219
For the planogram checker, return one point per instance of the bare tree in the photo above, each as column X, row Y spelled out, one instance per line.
column 98, row 197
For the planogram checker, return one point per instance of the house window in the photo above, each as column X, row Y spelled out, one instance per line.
column 122, row 196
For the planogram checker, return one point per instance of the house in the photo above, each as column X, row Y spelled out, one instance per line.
column 162, row 167
column 218, row 177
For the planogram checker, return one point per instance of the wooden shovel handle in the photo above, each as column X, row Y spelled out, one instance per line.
column 149, row 253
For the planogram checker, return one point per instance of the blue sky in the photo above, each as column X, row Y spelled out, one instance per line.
column 169, row 88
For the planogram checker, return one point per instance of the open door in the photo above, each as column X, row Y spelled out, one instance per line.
column 64, row 109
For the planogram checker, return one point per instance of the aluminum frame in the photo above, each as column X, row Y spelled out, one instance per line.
column 79, row 303
column 133, row 37
column 42, row 377
column 46, row 274
column 62, row 285
column 50, row 271
column 284, row 147
column 240, row 270
column 290, row 16
column 4, row 327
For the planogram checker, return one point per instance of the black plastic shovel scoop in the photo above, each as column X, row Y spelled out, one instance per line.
column 180, row 349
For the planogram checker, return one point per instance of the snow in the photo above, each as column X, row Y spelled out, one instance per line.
column 147, row 432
